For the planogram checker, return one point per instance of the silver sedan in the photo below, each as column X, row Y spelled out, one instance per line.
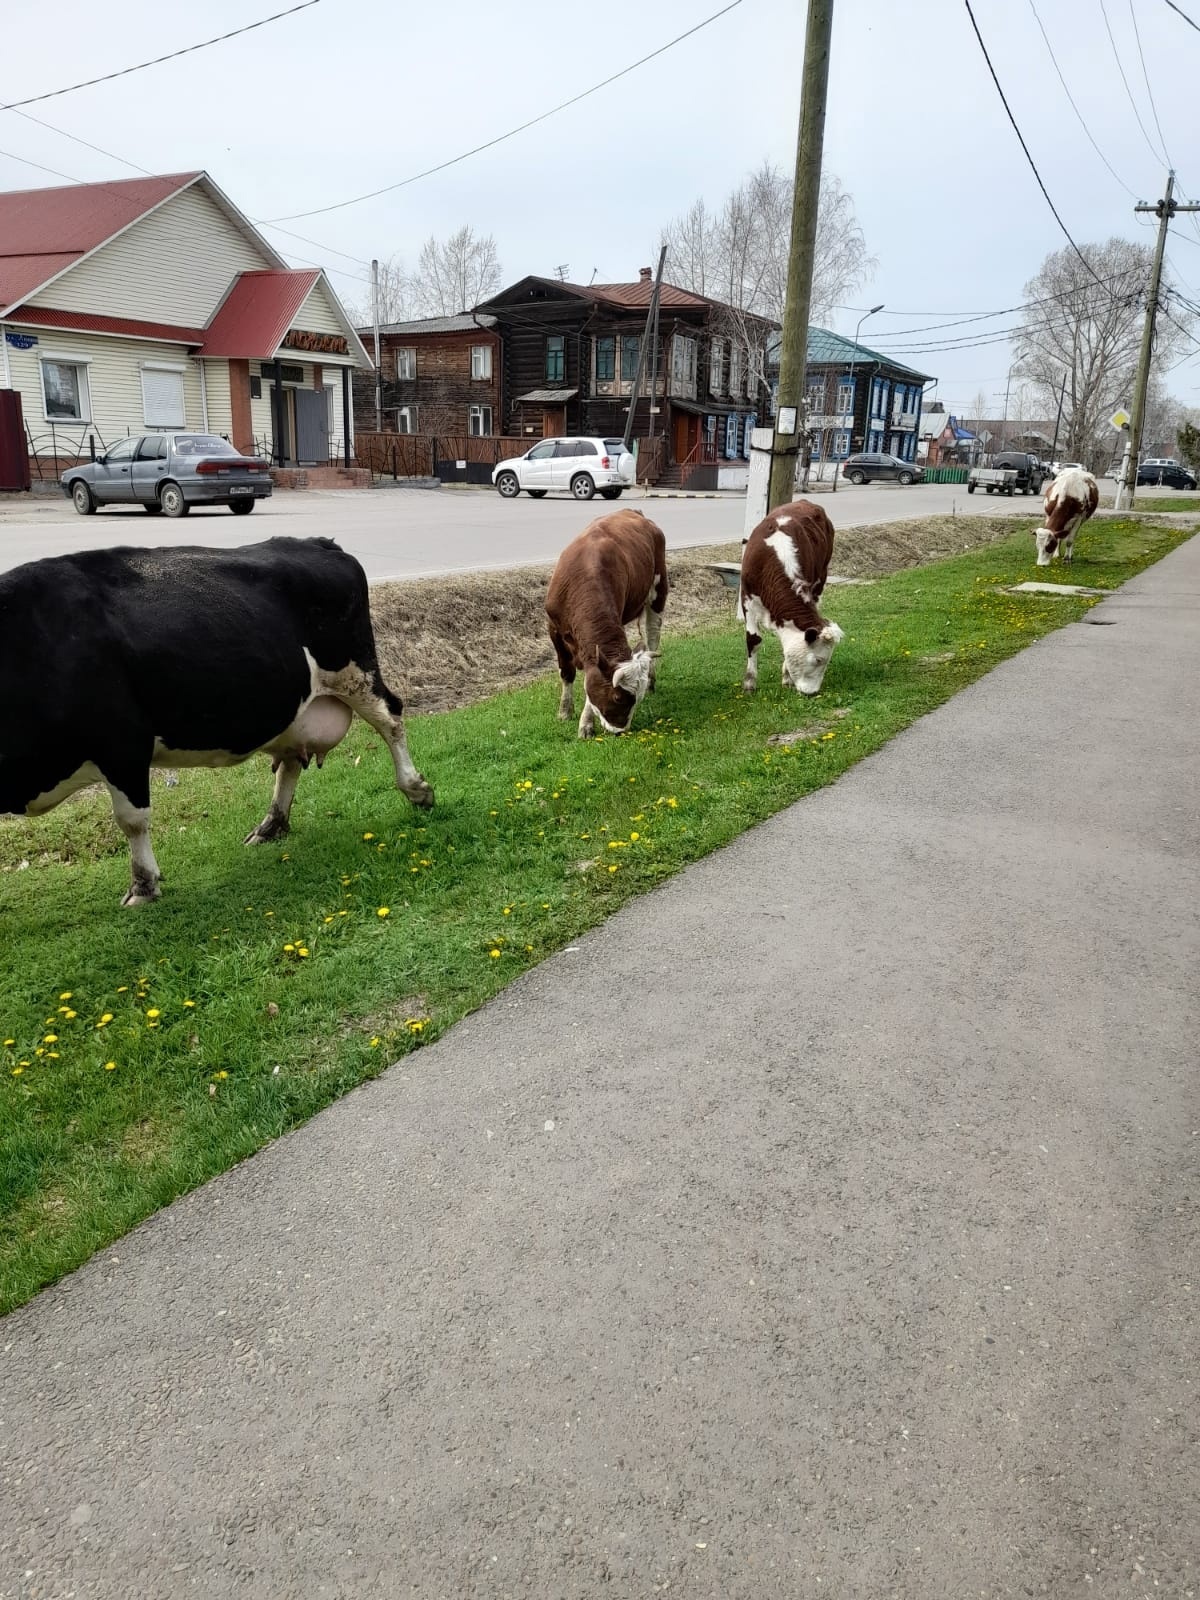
column 169, row 473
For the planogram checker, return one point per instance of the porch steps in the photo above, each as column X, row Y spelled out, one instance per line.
column 321, row 477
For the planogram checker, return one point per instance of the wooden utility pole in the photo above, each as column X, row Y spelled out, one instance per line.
column 1164, row 209
column 789, row 416
column 643, row 350
column 378, row 369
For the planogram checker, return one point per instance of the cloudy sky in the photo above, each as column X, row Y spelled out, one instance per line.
column 348, row 96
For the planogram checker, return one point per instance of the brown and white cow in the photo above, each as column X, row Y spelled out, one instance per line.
column 613, row 574
column 784, row 566
column 1068, row 503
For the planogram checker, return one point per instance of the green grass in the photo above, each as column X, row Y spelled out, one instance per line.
column 1147, row 501
column 266, row 982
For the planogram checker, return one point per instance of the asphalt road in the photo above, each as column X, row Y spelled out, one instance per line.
column 824, row 1224
column 410, row 533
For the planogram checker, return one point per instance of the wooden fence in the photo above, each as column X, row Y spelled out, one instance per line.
column 418, row 455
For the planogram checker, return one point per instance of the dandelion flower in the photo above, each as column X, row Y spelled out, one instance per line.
column 290, row 949
column 124, row 988
column 302, row 951
column 17, row 1071
column 495, row 954
column 65, row 995
column 613, row 868
column 110, row 1066
column 105, row 1019
column 368, row 835
column 9, row 1042
column 154, row 1012
column 634, row 836
column 384, row 911
column 50, row 1038
column 375, row 1044
column 189, row 1005
column 222, row 1074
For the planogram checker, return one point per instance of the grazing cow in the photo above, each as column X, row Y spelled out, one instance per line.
column 784, row 565
column 1068, row 503
column 613, row 574
column 116, row 661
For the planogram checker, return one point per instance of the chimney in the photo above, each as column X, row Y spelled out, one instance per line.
column 645, row 274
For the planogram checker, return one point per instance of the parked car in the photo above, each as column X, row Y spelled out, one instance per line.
column 873, row 466
column 582, row 467
column 1166, row 473
column 1027, row 468
column 1066, row 466
column 171, row 473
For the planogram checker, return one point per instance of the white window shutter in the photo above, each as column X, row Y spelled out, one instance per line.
column 162, row 399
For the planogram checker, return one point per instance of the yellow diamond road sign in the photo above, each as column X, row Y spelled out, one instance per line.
column 1119, row 419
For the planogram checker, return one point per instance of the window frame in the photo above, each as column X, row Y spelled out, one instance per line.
column 484, row 411
column 411, row 413
column 559, row 340
column 605, row 344
column 845, row 397
column 83, row 385
column 683, row 361
column 628, row 339
column 409, row 352
column 716, row 366
column 484, row 352
column 735, row 369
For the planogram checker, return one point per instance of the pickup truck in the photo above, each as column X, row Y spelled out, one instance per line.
column 1029, row 470
column 996, row 480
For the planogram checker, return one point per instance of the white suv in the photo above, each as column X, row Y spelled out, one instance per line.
column 582, row 467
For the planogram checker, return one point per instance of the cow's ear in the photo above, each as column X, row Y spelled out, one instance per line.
column 811, row 635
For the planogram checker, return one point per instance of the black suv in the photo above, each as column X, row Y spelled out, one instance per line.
column 1166, row 474
column 873, row 466
column 1030, row 472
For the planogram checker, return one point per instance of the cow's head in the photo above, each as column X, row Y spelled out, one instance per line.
column 1047, row 544
column 806, row 654
column 615, row 687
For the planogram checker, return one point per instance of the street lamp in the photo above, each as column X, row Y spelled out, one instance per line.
column 853, row 368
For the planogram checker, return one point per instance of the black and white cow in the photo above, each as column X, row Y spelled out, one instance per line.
column 116, row 661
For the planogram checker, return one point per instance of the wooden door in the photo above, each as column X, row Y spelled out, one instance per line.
column 554, row 423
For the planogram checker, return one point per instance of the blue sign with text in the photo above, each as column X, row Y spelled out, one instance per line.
column 21, row 341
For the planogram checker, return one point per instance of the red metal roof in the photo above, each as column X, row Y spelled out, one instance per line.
column 44, row 231
column 257, row 312
column 638, row 295
column 93, row 322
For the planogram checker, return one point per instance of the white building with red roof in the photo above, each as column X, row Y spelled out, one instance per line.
column 154, row 304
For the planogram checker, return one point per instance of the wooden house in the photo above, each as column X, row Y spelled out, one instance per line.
column 440, row 377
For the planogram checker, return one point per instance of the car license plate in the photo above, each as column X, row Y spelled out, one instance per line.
column 241, row 488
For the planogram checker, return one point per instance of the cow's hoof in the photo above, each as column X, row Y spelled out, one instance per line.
column 141, row 894
column 566, row 713
column 268, row 829
column 749, row 685
column 421, row 794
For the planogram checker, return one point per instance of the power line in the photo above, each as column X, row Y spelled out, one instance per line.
column 1184, row 15
column 1024, row 146
column 141, row 66
column 1075, row 108
column 979, row 316
column 99, row 149
column 403, row 183
column 1125, row 81
column 54, row 172
column 1149, row 91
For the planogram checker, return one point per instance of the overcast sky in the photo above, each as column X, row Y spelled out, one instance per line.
column 350, row 95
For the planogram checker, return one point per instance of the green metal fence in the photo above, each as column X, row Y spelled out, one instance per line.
column 945, row 474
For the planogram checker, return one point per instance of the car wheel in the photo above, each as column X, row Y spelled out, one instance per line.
column 610, row 494
column 170, row 498
column 857, row 479
column 81, row 499
column 241, row 508
column 582, row 486
column 152, row 509
column 508, row 485
column 534, row 494
column 970, row 488
column 905, row 478
column 990, row 487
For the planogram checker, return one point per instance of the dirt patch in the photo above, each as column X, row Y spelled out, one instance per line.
column 447, row 642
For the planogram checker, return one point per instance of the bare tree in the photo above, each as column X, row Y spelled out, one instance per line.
column 739, row 255
column 1085, row 326
column 455, row 274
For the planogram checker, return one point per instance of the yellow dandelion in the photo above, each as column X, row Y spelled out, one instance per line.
column 17, row 1071
column 110, row 1066
column 65, row 995
column 508, row 911
column 52, row 1055
column 384, row 911
column 222, row 1074
column 70, row 1015
column 189, row 1005
column 495, row 954
column 50, row 1038
column 105, row 1020
column 302, row 951
column 368, row 835
column 328, row 919
column 375, row 1044
column 634, row 836
column 290, row 949
column 8, row 1043
column 614, row 867
column 154, row 1012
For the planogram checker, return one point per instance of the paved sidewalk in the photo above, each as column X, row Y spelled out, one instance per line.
column 825, row 1224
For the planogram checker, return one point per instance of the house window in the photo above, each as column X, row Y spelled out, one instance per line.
column 816, row 399
column 406, row 365
column 731, row 438
column 556, row 352
column 406, row 419
column 65, row 391
column 845, row 396
column 631, row 345
column 751, row 424
column 735, row 369
column 606, row 358
column 162, row 397
column 683, row 363
column 716, row 367
column 753, row 362
column 841, row 443
column 481, row 360
column 479, row 420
